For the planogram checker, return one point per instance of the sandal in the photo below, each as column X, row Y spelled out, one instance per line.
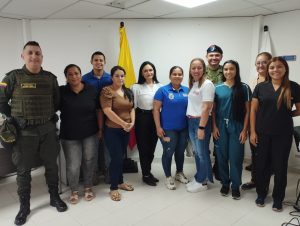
column 126, row 187
column 115, row 195
column 74, row 198
column 88, row 194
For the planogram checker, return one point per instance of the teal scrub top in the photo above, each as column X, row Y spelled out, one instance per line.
column 223, row 100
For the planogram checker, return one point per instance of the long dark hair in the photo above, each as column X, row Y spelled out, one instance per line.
column 238, row 96
column 127, row 92
column 285, row 93
column 141, row 79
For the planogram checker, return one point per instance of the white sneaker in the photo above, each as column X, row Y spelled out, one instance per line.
column 170, row 183
column 181, row 178
column 197, row 187
column 191, row 182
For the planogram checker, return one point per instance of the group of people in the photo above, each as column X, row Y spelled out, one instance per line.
column 97, row 113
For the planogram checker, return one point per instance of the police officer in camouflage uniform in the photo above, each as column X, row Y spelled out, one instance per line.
column 29, row 97
column 214, row 73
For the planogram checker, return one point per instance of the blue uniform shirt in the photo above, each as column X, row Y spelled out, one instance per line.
column 223, row 98
column 92, row 80
column 174, row 104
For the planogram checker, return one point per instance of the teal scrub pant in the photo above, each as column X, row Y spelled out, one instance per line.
column 230, row 153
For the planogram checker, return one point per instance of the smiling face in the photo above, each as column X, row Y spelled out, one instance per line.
column 73, row 76
column 118, row 78
column 148, row 73
column 277, row 70
column 33, row 58
column 229, row 71
column 214, row 59
column 261, row 64
column 98, row 62
column 176, row 76
column 196, row 70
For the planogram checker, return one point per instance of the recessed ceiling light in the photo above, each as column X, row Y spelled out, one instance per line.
column 190, row 3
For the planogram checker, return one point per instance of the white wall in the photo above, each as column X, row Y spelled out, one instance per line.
column 11, row 43
column 164, row 42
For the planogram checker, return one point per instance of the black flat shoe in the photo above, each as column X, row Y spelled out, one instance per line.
column 149, row 180
column 248, row 186
column 154, row 178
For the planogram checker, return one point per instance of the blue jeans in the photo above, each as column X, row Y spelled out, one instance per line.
column 177, row 145
column 201, row 148
column 230, row 153
column 116, row 140
column 75, row 151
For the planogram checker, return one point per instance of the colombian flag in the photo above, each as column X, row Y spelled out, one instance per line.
column 125, row 61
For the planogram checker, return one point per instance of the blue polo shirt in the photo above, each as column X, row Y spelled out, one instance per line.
column 92, row 80
column 223, row 99
column 174, row 104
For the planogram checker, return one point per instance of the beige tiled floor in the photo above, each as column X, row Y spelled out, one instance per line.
column 147, row 206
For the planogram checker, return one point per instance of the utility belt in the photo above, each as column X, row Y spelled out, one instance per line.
column 23, row 123
column 36, row 122
column 138, row 110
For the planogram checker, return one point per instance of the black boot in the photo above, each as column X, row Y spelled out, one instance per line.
column 55, row 200
column 24, row 208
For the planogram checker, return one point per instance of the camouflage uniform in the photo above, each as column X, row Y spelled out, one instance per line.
column 214, row 75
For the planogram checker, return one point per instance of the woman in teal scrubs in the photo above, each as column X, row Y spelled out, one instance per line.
column 230, row 126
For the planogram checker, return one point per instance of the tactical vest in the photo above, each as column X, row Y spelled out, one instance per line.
column 32, row 98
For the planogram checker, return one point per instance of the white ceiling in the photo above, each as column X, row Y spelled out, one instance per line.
column 124, row 9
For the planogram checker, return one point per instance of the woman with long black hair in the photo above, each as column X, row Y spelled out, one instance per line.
column 146, row 137
column 230, row 126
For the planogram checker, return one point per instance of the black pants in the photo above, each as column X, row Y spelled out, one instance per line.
column 253, row 160
column 36, row 144
column 146, row 139
column 272, row 157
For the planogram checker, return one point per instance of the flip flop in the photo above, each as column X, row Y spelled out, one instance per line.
column 88, row 194
column 115, row 195
column 74, row 198
column 126, row 187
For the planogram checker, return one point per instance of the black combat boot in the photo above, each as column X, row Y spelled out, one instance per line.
column 24, row 208
column 55, row 200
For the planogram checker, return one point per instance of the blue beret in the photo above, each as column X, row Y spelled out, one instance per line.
column 214, row 48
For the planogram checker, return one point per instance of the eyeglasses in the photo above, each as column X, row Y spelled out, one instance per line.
column 261, row 63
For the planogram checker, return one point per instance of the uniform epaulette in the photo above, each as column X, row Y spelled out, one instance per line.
column 49, row 73
column 16, row 71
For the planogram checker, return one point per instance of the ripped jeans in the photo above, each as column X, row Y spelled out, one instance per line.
column 177, row 145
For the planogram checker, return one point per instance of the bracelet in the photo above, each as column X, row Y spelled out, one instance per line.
column 202, row 127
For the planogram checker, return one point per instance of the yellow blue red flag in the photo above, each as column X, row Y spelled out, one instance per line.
column 125, row 60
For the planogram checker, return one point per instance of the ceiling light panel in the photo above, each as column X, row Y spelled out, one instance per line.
column 190, row 3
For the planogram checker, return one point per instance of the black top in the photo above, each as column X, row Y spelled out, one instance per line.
column 269, row 119
column 78, row 113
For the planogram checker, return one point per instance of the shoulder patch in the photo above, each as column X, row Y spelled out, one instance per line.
column 3, row 85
